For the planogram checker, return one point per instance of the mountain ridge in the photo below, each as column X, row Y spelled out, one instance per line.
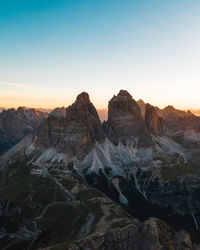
column 148, row 165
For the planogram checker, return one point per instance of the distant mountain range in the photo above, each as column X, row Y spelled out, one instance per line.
column 71, row 181
column 103, row 113
column 16, row 124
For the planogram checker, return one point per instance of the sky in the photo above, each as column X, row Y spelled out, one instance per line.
column 51, row 50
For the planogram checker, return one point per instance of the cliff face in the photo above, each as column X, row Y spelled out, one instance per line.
column 153, row 122
column 74, row 134
column 16, row 124
column 175, row 122
column 125, row 120
column 141, row 104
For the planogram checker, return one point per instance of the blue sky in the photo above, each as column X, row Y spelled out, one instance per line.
column 51, row 50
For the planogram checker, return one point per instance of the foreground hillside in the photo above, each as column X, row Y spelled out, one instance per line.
column 53, row 207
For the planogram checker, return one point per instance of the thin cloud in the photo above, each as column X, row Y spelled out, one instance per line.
column 23, row 86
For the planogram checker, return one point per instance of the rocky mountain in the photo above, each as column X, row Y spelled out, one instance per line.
column 142, row 104
column 170, row 109
column 59, row 112
column 125, row 120
column 153, row 122
column 74, row 134
column 16, row 124
column 177, row 120
column 148, row 165
column 174, row 120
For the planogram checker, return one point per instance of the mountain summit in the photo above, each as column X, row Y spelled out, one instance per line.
column 76, row 133
column 83, row 97
column 125, row 120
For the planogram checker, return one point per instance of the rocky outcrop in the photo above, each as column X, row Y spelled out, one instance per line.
column 75, row 134
column 16, row 124
column 58, row 112
column 175, row 122
column 141, row 104
column 170, row 109
column 125, row 120
column 153, row 122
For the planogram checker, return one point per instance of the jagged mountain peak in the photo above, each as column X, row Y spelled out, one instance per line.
column 83, row 97
column 76, row 133
column 141, row 101
column 125, row 120
column 170, row 110
column 16, row 124
column 58, row 112
column 170, row 107
column 123, row 94
column 123, row 101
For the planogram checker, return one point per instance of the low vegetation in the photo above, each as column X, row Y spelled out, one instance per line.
column 172, row 171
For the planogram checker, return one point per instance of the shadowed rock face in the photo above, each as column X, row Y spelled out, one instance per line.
column 84, row 112
column 76, row 133
column 141, row 104
column 59, row 112
column 170, row 109
column 125, row 120
column 153, row 122
column 174, row 122
column 16, row 124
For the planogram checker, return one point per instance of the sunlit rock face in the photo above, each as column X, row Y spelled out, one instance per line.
column 153, row 122
column 16, row 124
column 76, row 133
column 125, row 121
column 141, row 104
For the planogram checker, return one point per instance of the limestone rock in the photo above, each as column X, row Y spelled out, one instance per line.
column 59, row 112
column 76, row 133
column 16, row 124
column 125, row 121
column 153, row 122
